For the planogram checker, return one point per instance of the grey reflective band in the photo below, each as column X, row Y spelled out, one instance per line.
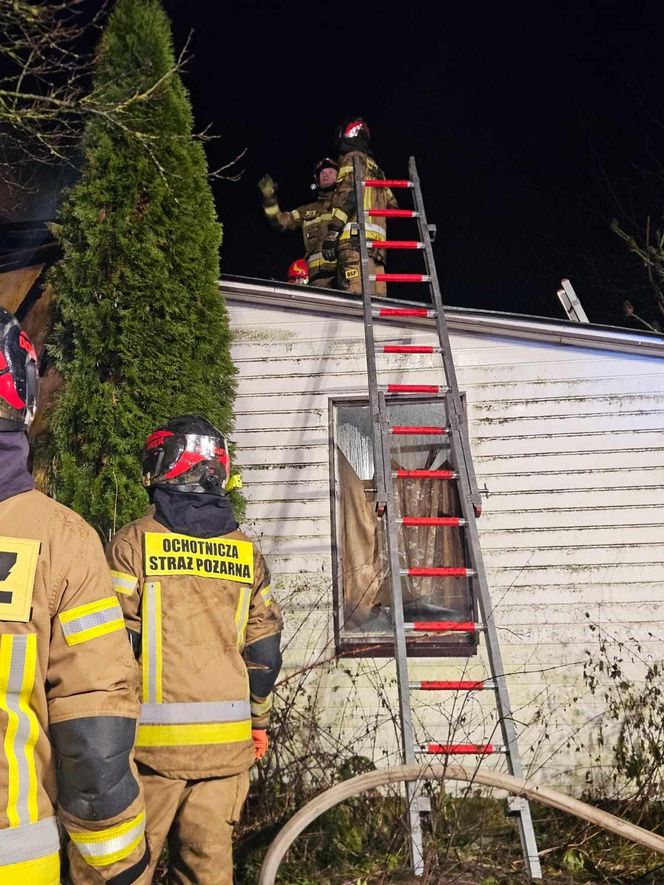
column 105, row 851
column 351, row 229
column 87, row 622
column 242, row 613
column 29, row 842
column 202, row 711
column 316, row 258
column 150, row 628
column 14, row 688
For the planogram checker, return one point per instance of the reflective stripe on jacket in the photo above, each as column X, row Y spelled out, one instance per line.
column 196, row 604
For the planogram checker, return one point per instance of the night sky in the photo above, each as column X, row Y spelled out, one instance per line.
column 525, row 119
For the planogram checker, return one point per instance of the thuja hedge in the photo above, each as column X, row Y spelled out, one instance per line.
column 141, row 332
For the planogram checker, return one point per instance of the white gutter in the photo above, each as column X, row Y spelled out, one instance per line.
column 328, row 301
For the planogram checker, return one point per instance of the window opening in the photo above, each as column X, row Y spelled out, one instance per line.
column 361, row 582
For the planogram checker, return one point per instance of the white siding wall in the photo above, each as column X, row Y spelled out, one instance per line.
column 569, row 442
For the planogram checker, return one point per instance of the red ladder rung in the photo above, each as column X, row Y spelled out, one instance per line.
column 392, row 213
column 441, row 626
column 400, row 277
column 433, row 520
column 449, row 685
column 435, row 389
column 410, row 348
column 395, row 244
column 445, row 571
column 387, row 182
column 419, row 431
column 459, row 749
column 425, row 474
column 405, row 312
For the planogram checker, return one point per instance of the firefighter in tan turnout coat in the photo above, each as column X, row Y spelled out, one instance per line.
column 68, row 680
column 313, row 218
column 342, row 241
column 197, row 602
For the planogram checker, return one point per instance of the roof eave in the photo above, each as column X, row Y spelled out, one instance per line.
column 459, row 319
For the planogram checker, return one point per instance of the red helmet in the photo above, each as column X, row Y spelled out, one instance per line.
column 188, row 453
column 18, row 375
column 298, row 272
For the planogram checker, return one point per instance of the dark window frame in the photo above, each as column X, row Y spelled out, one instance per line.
column 347, row 644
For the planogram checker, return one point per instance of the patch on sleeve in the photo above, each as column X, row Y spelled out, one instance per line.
column 18, row 564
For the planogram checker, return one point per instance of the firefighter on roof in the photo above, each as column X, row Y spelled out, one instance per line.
column 298, row 272
column 342, row 242
column 197, row 603
column 313, row 218
column 68, row 681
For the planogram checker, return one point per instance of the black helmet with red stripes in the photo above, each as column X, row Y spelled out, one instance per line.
column 354, row 134
column 189, row 454
column 18, row 375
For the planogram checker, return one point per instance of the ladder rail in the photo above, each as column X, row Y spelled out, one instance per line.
column 400, row 648
column 457, row 416
column 367, row 293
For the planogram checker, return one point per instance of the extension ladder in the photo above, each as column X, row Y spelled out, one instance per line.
column 464, row 475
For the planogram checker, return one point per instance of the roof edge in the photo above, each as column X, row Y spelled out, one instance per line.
column 459, row 319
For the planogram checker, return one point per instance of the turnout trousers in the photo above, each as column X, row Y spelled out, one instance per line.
column 196, row 819
column 349, row 278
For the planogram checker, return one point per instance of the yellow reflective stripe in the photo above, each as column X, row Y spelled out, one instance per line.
column 340, row 214
column 242, row 614
column 345, row 170
column 191, row 735
column 89, row 621
column 271, row 210
column 109, row 845
column 33, row 728
column 368, row 197
column 260, row 708
column 124, row 583
column 296, row 215
column 90, row 608
column 378, row 234
column 266, row 593
column 10, row 731
column 39, row 871
column 151, row 643
column 18, row 666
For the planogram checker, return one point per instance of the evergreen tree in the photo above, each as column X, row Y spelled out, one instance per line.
column 141, row 332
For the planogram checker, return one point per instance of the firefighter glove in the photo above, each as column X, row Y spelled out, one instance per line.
column 261, row 741
column 329, row 247
column 268, row 188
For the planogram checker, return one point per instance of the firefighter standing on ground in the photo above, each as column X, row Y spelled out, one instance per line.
column 68, row 705
column 342, row 242
column 197, row 602
column 313, row 218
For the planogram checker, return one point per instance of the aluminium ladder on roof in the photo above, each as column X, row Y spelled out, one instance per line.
column 464, row 475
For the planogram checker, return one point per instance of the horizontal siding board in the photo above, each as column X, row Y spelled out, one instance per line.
column 572, row 444
column 546, row 462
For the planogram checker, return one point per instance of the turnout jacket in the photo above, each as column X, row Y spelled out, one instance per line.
column 313, row 218
column 209, row 645
column 68, row 704
column 343, row 208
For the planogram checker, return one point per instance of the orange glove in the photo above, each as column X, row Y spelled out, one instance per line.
column 261, row 741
